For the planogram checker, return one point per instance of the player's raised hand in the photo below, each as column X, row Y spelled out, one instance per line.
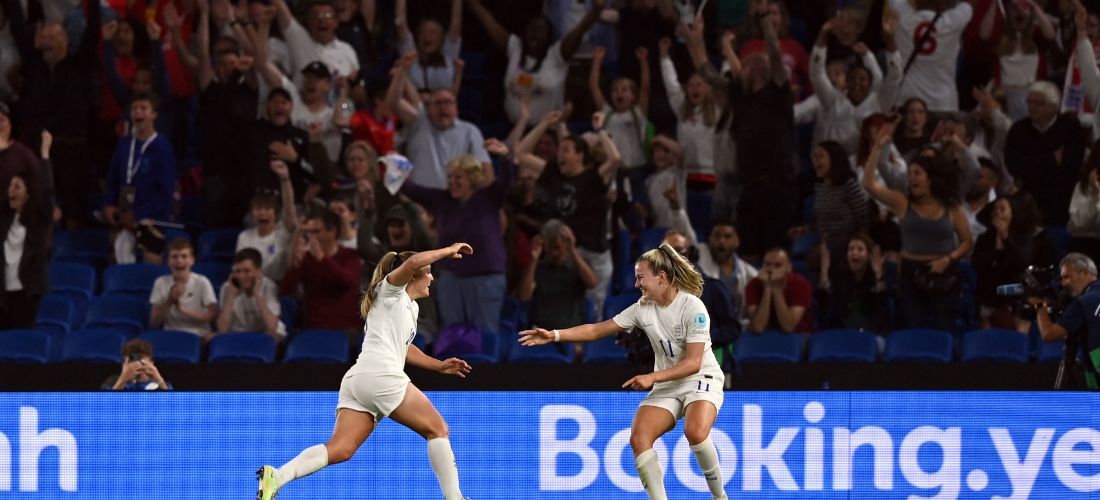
column 456, row 367
column 460, row 249
column 536, row 336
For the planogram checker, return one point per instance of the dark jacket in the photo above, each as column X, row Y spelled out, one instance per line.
column 38, row 219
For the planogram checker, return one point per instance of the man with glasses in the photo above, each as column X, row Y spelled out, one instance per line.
column 319, row 43
column 435, row 133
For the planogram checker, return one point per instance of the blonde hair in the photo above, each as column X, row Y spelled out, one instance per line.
column 708, row 109
column 680, row 272
column 469, row 166
column 386, row 265
column 372, row 157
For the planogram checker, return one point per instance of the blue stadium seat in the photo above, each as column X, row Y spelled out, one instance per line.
column 73, row 278
column 802, row 246
column 615, row 304
column 55, row 314
column 1050, row 352
column 842, row 346
column 171, row 346
column 604, row 350
column 699, row 212
column 24, row 346
column 288, row 312
column 217, row 244
column 95, row 346
column 622, row 275
column 215, row 271
column 919, row 345
column 651, row 238
column 87, row 246
column 589, row 311
column 546, row 353
column 122, row 313
column 993, row 345
column 490, row 349
column 134, row 280
column 769, row 347
column 241, row 347
column 317, row 346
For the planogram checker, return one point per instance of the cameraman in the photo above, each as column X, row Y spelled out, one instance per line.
column 1080, row 323
column 138, row 371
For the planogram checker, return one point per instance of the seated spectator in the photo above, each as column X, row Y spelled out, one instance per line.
column 1084, row 209
column 935, row 235
column 471, row 289
column 249, row 300
column 1044, row 152
column 138, row 371
column 435, row 135
column 1014, row 240
column 26, row 222
column 328, row 275
column 183, row 300
column 269, row 236
column 778, row 298
column 141, row 180
column 557, row 278
column 437, row 64
column 852, row 291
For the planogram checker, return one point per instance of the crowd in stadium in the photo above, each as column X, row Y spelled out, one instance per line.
column 206, row 166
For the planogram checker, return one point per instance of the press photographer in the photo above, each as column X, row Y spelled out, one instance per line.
column 1079, row 324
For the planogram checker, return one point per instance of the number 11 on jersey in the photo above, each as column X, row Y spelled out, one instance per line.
column 666, row 346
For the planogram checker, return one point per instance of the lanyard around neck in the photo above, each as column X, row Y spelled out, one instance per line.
column 131, row 165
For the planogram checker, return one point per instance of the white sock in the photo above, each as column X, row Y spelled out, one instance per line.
column 307, row 462
column 649, row 471
column 707, row 456
column 446, row 470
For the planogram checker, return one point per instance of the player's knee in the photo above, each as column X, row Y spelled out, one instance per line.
column 696, row 433
column 437, row 430
column 339, row 453
column 640, row 443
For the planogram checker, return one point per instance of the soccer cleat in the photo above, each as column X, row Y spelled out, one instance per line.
column 269, row 486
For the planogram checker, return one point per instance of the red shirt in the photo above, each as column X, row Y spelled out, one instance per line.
column 379, row 135
column 331, row 290
column 794, row 57
column 797, row 292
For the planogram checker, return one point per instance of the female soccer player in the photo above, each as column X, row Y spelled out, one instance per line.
column 686, row 380
column 376, row 386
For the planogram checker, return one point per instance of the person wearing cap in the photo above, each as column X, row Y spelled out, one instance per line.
column 436, row 135
column 1045, row 151
column 274, row 137
column 319, row 43
column 311, row 105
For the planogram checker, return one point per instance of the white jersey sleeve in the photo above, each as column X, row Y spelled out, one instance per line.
column 697, row 323
column 628, row 318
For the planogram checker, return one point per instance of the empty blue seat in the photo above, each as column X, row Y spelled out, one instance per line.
column 769, row 347
column 24, row 346
column 94, row 346
column 919, row 345
column 135, row 280
column 699, row 213
column 994, row 345
column 1050, row 352
column 288, row 312
column 604, row 350
column 546, row 353
column 490, row 349
column 802, row 246
column 218, row 244
column 171, row 346
column 615, row 304
column 55, row 313
column 317, row 346
column 123, row 313
column 73, row 278
column 622, row 275
column 241, row 347
column 215, row 271
column 842, row 346
column 87, row 246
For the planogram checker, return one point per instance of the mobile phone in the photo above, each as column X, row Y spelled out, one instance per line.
column 236, row 282
column 134, row 358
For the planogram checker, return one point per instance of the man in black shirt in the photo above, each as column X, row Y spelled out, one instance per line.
column 274, row 137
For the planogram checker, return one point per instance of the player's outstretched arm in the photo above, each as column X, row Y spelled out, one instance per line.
column 452, row 366
column 582, row 333
column 405, row 272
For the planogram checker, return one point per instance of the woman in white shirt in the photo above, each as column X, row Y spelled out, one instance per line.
column 696, row 117
column 1084, row 209
column 377, row 386
column 26, row 219
column 686, row 380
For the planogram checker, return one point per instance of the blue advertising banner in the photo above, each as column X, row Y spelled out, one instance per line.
column 558, row 445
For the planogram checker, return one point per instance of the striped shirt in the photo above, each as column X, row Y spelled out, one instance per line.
column 840, row 211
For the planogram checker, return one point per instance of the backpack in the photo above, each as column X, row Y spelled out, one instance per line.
column 458, row 338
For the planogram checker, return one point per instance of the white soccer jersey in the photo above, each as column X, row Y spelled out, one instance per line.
column 390, row 328
column 932, row 75
column 670, row 329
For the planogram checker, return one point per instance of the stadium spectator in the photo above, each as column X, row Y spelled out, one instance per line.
column 141, row 182
column 183, row 300
column 916, row 129
column 981, row 193
column 625, row 117
column 668, row 162
column 1022, row 40
column 26, row 221
column 437, row 65
column 1084, row 209
column 138, row 371
column 754, row 40
column 15, row 158
column 556, row 279
column 328, row 274
column 537, row 66
column 1044, row 152
column 471, row 289
column 696, row 117
column 358, row 27
column 929, row 39
column 840, row 203
column 435, row 134
column 318, row 44
column 132, row 64
column 852, row 292
column 935, row 235
column 270, row 236
column 1014, row 240
column 778, row 298
column 249, row 300
column 274, row 137
column 373, row 121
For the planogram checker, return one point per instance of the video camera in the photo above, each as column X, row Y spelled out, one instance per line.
column 1039, row 282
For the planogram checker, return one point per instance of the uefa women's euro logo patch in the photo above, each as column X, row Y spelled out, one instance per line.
column 700, row 320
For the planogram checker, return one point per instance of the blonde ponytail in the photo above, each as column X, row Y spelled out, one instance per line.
column 679, row 270
column 386, row 265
